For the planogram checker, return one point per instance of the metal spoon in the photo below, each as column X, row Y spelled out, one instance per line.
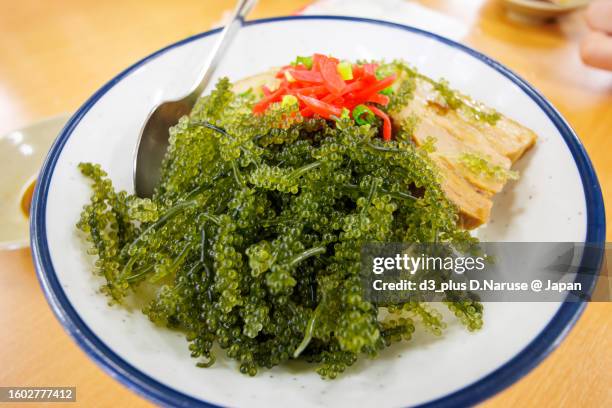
column 153, row 141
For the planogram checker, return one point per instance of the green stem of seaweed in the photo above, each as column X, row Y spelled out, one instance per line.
column 306, row 254
column 309, row 332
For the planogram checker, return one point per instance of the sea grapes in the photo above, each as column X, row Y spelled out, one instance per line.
column 482, row 166
column 252, row 238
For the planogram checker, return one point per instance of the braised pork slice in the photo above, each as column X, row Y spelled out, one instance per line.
column 474, row 147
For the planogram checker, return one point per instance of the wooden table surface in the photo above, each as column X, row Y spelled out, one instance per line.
column 54, row 54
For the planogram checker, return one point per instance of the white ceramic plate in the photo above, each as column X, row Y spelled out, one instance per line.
column 557, row 199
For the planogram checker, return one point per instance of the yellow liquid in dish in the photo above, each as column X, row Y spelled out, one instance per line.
column 26, row 198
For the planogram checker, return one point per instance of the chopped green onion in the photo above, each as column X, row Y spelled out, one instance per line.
column 345, row 114
column 288, row 101
column 387, row 91
column 345, row 69
column 306, row 61
column 363, row 115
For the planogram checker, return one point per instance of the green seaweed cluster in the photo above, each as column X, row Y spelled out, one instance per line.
column 252, row 238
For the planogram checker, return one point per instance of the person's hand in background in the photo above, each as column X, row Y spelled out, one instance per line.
column 596, row 46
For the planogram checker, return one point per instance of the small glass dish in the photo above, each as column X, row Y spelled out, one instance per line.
column 541, row 10
column 22, row 152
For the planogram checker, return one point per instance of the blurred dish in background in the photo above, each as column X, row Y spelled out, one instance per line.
column 542, row 9
column 398, row 11
column 22, row 152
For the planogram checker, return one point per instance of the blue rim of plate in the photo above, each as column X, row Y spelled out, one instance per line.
column 548, row 339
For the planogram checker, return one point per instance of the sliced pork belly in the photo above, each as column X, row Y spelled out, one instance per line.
column 457, row 133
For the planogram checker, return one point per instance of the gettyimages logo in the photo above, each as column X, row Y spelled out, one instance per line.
column 492, row 271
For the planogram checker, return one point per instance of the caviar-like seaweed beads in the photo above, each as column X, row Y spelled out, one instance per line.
column 252, row 239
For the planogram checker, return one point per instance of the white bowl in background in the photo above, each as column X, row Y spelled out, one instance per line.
column 22, row 152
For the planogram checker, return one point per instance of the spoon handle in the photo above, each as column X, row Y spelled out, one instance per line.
column 227, row 35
